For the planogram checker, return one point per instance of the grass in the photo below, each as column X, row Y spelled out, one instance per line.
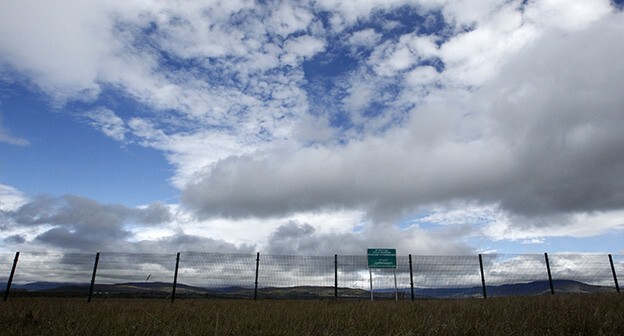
column 544, row 315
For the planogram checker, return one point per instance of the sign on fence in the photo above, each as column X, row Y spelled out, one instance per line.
column 382, row 258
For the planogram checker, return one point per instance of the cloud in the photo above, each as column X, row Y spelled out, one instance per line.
column 560, row 116
column 11, row 198
column 75, row 222
column 302, row 238
column 109, row 123
column 59, row 45
column 364, row 38
column 16, row 239
column 537, row 139
column 175, row 243
column 385, row 179
column 8, row 138
column 300, row 48
column 568, row 15
column 511, row 110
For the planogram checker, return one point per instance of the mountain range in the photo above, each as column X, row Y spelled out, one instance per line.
column 162, row 289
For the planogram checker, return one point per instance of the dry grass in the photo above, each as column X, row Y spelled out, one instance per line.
column 545, row 315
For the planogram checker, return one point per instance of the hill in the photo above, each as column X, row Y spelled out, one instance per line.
column 163, row 289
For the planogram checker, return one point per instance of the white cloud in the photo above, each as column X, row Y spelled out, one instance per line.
column 497, row 224
column 566, row 15
column 289, row 19
column 11, row 198
column 580, row 225
column 59, row 44
column 345, row 13
column 475, row 56
column 422, row 76
column 365, row 38
column 360, row 95
column 297, row 49
column 108, row 122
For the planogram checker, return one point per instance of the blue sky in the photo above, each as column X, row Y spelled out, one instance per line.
column 320, row 127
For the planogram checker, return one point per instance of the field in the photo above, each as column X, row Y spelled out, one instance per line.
column 583, row 314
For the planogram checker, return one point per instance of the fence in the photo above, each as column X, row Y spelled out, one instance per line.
column 221, row 275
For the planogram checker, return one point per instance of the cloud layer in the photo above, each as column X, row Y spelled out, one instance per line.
column 395, row 111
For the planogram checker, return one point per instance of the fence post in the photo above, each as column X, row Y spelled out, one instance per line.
column 411, row 278
column 175, row 278
column 8, row 286
column 482, row 276
column 615, row 280
column 550, row 280
column 95, row 265
column 335, row 276
column 256, row 282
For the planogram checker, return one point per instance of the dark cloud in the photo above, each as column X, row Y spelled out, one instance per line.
column 15, row 239
column 559, row 107
column 294, row 238
column 84, row 224
column 155, row 213
column 184, row 242
column 73, row 240
column 81, row 224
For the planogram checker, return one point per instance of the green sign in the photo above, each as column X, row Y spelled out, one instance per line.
column 381, row 258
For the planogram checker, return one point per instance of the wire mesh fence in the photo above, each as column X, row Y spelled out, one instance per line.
column 56, row 274
column 312, row 276
column 126, row 274
column 591, row 269
column 221, row 274
column 521, row 274
column 251, row 276
column 6, row 262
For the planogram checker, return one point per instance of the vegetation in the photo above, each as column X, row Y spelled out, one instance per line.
column 589, row 314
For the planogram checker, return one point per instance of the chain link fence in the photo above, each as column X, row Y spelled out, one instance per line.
column 252, row 276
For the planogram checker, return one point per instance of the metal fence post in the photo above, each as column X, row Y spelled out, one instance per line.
column 550, row 280
column 175, row 277
column 411, row 278
column 256, row 282
column 8, row 286
column 335, row 276
column 95, row 265
column 615, row 280
column 482, row 276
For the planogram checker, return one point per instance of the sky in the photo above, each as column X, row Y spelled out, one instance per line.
column 312, row 127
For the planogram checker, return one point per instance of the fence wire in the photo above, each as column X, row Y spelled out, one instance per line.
column 591, row 269
column 135, row 274
column 219, row 273
column 314, row 275
column 230, row 275
column 59, row 273
column 6, row 263
column 504, row 272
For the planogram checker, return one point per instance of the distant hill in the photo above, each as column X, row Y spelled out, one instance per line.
column 519, row 289
column 163, row 289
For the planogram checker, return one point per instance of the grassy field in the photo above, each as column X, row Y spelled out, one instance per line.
column 543, row 315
